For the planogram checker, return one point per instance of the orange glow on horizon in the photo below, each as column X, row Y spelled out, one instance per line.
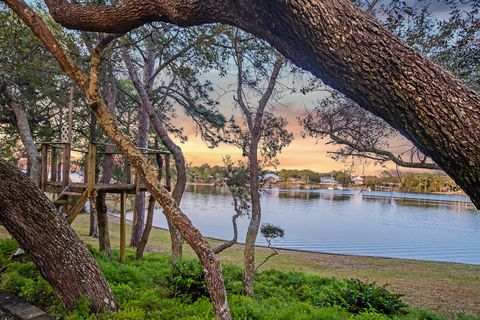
column 300, row 154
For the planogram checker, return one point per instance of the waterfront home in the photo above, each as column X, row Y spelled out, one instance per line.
column 357, row 180
column 328, row 180
column 271, row 178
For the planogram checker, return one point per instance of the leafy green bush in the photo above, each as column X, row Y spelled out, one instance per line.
column 358, row 296
column 187, row 280
column 6, row 249
column 152, row 289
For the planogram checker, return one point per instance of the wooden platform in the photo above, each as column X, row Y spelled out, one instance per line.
column 72, row 196
column 109, row 188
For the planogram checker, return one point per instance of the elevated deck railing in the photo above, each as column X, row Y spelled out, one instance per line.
column 60, row 159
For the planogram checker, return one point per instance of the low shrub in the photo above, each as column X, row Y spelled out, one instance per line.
column 152, row 289
column 357, row 296
column 186, row 280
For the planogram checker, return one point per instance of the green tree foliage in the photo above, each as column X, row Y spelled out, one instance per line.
column 425, row 182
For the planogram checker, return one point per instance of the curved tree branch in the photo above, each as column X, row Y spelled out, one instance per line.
column 348, row 50
column 386, row 155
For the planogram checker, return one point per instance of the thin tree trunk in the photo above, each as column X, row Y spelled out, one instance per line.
column 138, row 222
column 348, row 50
column 148, row 227
column 142, row 142
column 107, row 171
column 174, row 149
column 92, row 199
column 56, row 250
column 230, row 243
column 93, row 217
column 33, row 155
column 254, row 125
column 89, row 85
column 254, row 225
column 139, row 207
column 103, row 232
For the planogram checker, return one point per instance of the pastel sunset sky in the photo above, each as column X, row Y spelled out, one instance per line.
column 302, row 153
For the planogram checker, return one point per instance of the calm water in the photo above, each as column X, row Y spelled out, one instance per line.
column 398, row 225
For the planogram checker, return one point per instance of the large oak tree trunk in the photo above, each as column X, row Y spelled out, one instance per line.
column 58, row 252
column 89, row 85
column 348, row 50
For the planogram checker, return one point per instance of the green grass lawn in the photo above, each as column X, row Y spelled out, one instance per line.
column 141, row 289
column 152, row 289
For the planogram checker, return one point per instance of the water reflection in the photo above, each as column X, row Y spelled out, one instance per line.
column 429, row 227
column 426, row 203
column 377, row 199
column 292, row 194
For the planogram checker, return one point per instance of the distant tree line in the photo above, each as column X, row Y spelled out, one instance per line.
column 411, row 182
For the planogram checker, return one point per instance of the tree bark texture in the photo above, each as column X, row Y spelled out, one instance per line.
column 344, row 47
column 103, row 232
column 93, row 216
column 89, row 85
column 254, row 224
column 28, row 142
column 146, row 231
column 228, row 244
column 138, row 222
column 58, row 252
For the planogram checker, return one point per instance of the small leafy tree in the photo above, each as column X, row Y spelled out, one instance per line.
column 237, row 179
column 270, row 232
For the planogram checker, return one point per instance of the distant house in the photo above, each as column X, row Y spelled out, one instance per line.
column 328, row 180
column 357, row 180
column 270, row 178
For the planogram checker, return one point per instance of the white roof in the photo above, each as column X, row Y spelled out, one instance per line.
column 270, row 175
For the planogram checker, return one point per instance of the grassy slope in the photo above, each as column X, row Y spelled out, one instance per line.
column 447, row 288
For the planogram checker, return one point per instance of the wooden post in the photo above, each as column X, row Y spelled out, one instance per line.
column 168, row 173
column 128, row 168
column 44, row 176
column 70, row 113
column 123, row 231
column 66, row 165
column 92, row 154
column 159, row 159
column 53, row 165
column 138, row 181
column 160, row 166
